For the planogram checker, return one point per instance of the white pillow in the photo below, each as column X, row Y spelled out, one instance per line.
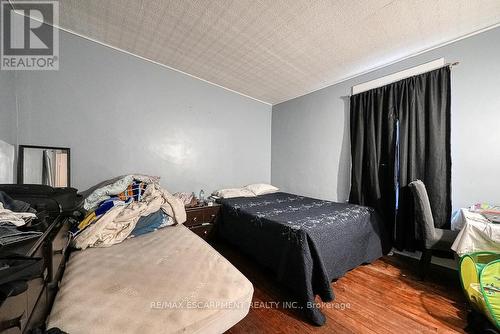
column 234, row 192
column 261, row 188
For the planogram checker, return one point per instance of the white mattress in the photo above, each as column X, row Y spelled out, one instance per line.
column 168, row 281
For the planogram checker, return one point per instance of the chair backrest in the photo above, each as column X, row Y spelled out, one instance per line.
column 423, row 210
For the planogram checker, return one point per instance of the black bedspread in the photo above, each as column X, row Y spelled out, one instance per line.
column 306, row 242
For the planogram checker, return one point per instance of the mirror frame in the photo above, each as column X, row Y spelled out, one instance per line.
column 20, row 161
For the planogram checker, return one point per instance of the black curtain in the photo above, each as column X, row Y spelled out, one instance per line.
column 421, row 106
column 424, row 122
column 373, row 139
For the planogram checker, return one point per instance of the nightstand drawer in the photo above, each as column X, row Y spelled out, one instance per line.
column 202, row 215
column 203, row 220
column 204, row 231
column 194, row 218
column 211, row 214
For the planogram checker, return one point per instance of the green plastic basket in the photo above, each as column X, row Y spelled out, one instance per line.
column 480, row 278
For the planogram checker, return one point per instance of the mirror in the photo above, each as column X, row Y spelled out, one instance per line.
column 44, row 165
column 7, row 153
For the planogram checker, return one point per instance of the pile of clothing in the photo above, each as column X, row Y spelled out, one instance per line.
column 125, row 207
column 14, row 215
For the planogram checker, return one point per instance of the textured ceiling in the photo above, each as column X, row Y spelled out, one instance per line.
column 274, row 50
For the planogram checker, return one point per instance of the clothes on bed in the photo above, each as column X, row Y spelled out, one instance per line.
column 306, row 242
column 134, row 191
column 151, row 223
column 89, row 219
column 93, row 216
column 121, row 184
column 112, row 202
column 144, row 195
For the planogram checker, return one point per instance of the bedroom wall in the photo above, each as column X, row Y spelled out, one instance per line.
column 310, row 134
column 120, row 114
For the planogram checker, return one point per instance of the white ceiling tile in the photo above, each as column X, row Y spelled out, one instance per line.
column 274, row 50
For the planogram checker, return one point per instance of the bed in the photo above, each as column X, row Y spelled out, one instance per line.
column 168, row 281
column 305, row 242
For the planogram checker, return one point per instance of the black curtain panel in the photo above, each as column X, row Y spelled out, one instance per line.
column 373, row 117
column 424, row 141
column 421, row 106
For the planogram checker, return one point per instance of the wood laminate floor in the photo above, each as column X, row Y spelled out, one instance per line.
column 383, row 297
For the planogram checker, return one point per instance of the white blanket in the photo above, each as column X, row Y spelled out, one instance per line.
column 477, row 234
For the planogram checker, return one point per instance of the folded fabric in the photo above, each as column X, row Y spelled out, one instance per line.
column 101, row 194
column 151, row 223
column 15, row 218
column 116, row 225
column 10, row 234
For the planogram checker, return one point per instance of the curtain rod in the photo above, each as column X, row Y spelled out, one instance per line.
column 450, row 65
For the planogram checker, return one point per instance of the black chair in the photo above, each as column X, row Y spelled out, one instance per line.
column 434, row 239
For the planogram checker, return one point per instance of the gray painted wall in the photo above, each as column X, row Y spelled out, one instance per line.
column 7, row 107
column 310, row 134
column 120, row 114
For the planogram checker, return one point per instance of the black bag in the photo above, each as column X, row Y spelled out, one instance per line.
column 19, row 268
column 54, row 201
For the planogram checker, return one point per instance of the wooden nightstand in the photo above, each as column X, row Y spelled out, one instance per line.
column 202, row 220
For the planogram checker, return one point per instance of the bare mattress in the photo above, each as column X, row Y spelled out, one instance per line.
column 168, row 281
